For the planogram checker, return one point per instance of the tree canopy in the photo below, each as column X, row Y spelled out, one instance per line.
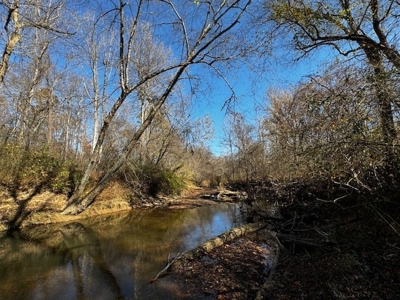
column 115, row 96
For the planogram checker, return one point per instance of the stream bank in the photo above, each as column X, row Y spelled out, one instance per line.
column 343, row 250
column 109, row 256
column 346, row 250
column 45, row 208
column 233, row 265
column 232, row 270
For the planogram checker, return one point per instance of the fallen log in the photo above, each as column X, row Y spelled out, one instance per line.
column 201, row 250
column 225, row 237
column 270, row 281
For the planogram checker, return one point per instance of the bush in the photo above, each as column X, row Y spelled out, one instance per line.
column 152, row 180
column 21, row 169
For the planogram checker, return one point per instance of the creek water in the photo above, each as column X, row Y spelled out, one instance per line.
column 106, row 257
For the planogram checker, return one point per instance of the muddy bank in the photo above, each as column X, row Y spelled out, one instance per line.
column 234, row 270
column 233, row 265
column 46, row 207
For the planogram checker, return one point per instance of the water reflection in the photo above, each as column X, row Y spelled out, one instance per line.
column 112, row 257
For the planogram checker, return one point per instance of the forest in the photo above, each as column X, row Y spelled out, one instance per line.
column 98, row 94
column 112, row 98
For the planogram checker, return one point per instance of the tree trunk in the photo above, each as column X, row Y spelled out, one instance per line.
column 215, row 27
column 383, row 100
column 227, row 236
column 79, row 202
column 13, row 40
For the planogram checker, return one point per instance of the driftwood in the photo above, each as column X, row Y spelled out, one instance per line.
column 227, row 236
column 169, row 264
column 201, row 250
column 270, row 281
column 226, row 195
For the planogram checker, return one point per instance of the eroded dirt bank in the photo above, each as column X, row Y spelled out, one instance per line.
column 45, row 208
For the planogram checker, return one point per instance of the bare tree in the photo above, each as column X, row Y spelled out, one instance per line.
column 97, row 53
column 326, row 127
column 246, row 153
column 21, row 15
column 200, row 42
column 351, row 28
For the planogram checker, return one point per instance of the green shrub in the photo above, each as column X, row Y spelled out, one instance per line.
column 174, row 183
column 24, row 169
column 153, row 180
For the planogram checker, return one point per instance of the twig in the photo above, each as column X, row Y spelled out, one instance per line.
column 384, row 219
column 395, row 247
column 346, row 184
column 324, row 234
column 294, row 220
column 334, row 200
column 170, row 263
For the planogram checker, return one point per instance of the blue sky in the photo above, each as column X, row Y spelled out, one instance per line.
column 281, row 73
column 249, row 88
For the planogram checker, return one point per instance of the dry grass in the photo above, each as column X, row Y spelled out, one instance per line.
column 46, row 207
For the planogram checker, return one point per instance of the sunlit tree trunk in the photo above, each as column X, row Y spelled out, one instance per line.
column 218, row 22
column 12, row 23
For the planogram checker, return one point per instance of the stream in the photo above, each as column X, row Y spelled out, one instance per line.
column 106, row 257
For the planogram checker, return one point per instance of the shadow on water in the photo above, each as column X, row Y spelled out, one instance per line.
column 107, row 257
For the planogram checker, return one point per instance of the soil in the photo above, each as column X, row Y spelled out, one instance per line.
column 235, row 270
column 361, row 260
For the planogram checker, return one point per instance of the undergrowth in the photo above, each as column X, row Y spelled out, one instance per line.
column 21, row 170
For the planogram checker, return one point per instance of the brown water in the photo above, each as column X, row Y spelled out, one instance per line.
column 107, row 257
